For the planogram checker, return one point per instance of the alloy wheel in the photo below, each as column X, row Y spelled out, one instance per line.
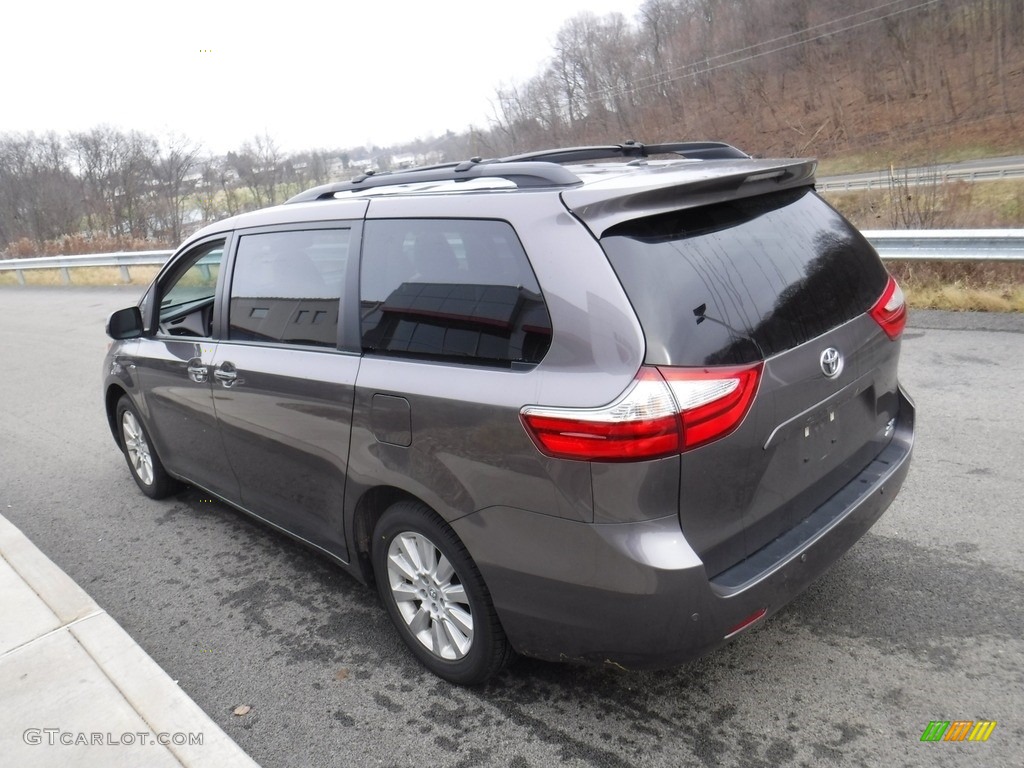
column 430, row 596
column 137, row 448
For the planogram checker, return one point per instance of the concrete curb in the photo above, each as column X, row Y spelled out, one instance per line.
column 78, row 690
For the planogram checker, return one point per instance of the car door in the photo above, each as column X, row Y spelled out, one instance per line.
column 173, row 363
column 282, row 388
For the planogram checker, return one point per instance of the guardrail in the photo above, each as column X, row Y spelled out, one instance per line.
column 123, row 259
column 892, row 245
column 914, row 177
column 948, row 244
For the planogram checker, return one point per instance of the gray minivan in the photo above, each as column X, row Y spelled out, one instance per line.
column 602, row 404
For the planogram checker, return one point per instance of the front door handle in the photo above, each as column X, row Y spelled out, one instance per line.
column 226, row 374
column 197, row 371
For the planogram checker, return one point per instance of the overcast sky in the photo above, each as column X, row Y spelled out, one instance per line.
column 311, row 74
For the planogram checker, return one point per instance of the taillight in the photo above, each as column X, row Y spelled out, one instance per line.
column 664, row 411
column 713, row 401
column 641, row 424
column 890, row 311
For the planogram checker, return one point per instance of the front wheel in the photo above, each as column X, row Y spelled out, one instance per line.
column 146, row 468
column 436, row 597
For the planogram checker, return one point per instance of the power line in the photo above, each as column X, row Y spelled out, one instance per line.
column 613, row 91
column 830, row 22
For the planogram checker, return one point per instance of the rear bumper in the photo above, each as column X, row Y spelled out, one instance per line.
column 636, row 595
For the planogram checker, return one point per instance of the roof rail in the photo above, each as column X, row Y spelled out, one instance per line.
column 522, row 174
column 530, row 170
column 694, row 150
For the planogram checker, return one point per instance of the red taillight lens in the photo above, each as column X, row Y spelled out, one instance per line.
column 664, row 411
column 641, row 424
column 713, row 401
column 890, row 311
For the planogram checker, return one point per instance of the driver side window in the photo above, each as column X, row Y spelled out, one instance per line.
column 186, row 301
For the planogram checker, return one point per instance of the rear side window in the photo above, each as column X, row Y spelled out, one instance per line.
column 739, row 281
column 286, row 287
column 451, row 289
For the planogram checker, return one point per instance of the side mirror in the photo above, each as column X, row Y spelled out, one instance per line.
column 125, row 324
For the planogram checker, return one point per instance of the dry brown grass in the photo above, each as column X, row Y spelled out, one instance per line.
column 966, row 300
column 140, row 275
column 958, row 286
column 43, row 277
column 143, row 275
column 951, row 205
column 96, row 276
column 962, row 286
column 78, row 243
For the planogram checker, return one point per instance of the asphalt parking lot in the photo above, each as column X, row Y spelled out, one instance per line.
column 921, row 621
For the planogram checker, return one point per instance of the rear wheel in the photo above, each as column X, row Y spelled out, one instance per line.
column 144, row 464
column 436, row 597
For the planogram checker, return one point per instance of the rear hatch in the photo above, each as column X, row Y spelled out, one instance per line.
column 782, row 278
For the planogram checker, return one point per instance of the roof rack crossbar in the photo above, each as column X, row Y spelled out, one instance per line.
column 523, row 175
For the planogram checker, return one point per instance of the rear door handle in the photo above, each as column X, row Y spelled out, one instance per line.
column 226, row 374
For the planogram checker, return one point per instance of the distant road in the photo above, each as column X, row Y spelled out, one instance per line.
column 989, row 169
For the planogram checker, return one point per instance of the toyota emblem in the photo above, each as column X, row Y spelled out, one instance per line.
column 831, row 362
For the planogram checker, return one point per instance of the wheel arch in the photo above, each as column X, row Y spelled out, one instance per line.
column 111, row 398
column 371, row 505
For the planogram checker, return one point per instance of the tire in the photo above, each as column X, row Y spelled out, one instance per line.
column 143, row 463
column 436, row 597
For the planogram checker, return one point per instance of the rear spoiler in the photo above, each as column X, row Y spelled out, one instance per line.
column 604, row 204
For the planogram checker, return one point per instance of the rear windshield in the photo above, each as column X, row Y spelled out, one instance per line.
column 740, row 281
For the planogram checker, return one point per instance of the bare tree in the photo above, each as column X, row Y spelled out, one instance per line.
column 117, row 172
column 175, row 163
column 208, row 189
column 259, row 168
column 39, row 195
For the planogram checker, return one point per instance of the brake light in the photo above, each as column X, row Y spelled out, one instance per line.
column 890, row 311
column 664, row 411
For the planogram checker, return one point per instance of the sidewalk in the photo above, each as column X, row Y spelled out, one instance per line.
column 76, row 690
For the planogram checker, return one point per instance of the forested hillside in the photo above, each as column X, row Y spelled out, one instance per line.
column 777, row 77
column 888, row 79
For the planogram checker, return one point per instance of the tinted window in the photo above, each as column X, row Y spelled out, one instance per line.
column 735, row 282
column 286, row 287
column 451, row 289
column 187, row 296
